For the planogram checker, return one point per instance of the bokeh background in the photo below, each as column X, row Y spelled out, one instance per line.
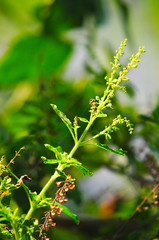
column 59, row 52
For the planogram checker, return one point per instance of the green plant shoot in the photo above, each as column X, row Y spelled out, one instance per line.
column 23, row 226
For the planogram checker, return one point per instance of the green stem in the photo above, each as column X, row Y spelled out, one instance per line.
column 17, row 237
column 81, row 137
column 55, row 175
column 97, row 135
column 61, row 167
column 45, row 188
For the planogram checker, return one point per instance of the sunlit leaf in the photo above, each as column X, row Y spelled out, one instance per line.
column 49, row 161
column 107, row 148
column 73, row 160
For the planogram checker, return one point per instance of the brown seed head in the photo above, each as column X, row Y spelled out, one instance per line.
column 52, row 214
column 52, row 207
column 60, row 193
column 59, row 183
column 72, row 186
column 47, row 227
column 61, row 200
column 50, row 220
column 68, row 177
column 145, row 208
column 91, row 102
column 155, row 196
column 66, row 189
column 155, row 202
column 53, row 224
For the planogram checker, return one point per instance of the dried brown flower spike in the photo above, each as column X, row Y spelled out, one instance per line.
column 64, row 186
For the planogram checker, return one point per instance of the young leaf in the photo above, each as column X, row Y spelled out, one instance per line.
column 33, row 195
column 108, row 137
column 68, row 212
column 64, row 119
column 58, row 150
column 106, row 147
column 49, row 161
column 45, row 202
column 83, row 119
column 73, row 160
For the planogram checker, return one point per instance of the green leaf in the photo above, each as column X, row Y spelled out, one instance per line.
column 73, row 160
column 58, row 150
column 69, row 213
column 108, row 137
column 83, row 169
column 33, row 195
column 64, row 119
column 45, row 202
column 44, row 57
column 2, row 219
column 83, row 119
column 62, row 174
column 49, row 161
column 106, row 147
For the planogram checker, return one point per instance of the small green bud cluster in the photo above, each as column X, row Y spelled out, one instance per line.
column 132, row 64
column 113, row 127
column 113, row 82
column 119, row 53
column 120, row 120
column 116, row 64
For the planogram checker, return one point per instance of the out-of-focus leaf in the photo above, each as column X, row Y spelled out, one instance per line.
column 106, row 147
column 64, row 118
column 32, row 57
column 69, row 213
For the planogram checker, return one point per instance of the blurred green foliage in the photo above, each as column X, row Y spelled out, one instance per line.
column 31, row 58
